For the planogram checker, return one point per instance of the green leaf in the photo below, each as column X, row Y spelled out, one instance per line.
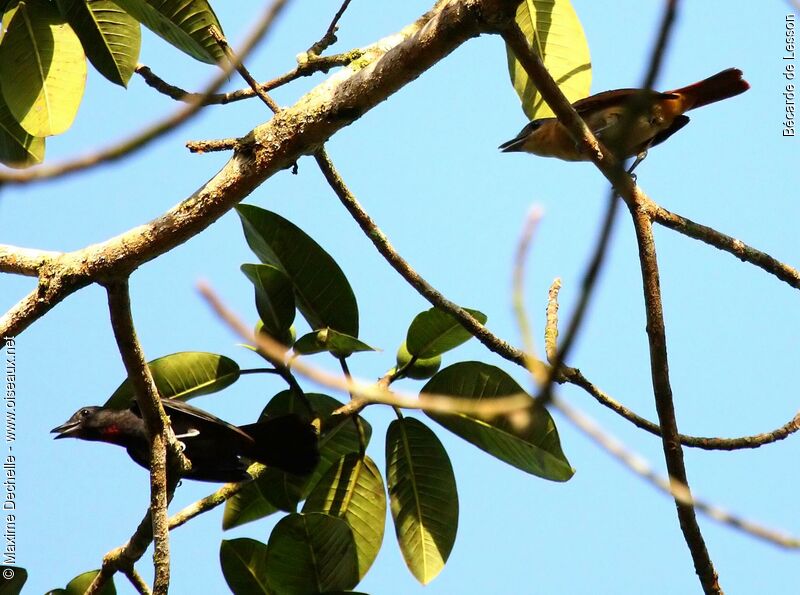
column 311, row 553
column 556, row 35
column 245, row 506
column 183, row 375
column 433, row 332
column 274, row 298
column 244, row 566
column 324, row 296
column 327, row 339
column 42, row 69
column 285, row 490
column 534, row 449
column 110, row 36
column 423, row 497
column 13, row 580
column 80, row 583
column 17, row 147
column 182, row 23
column 352, row 490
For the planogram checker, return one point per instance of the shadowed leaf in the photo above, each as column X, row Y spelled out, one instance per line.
column 244, row 566
column 535, row 448
column 433, row 332
column 324, row 296
column 352, row 489
column 311, row 553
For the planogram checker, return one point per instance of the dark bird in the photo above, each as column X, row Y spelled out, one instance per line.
column 215, row 448
column 660, row 115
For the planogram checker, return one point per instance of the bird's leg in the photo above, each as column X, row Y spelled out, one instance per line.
column 639, row 158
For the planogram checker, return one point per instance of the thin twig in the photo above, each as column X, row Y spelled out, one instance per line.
column 398, row 263
column 308, row 65
column 725, row 243
column 329, row 38
column 239, row 66
column 366, row 393
column 536, row 367
column 137, row 581
column 575, row 377
column 677, row 490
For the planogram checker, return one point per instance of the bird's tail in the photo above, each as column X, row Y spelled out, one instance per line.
column 722, row 85
column 287, row 442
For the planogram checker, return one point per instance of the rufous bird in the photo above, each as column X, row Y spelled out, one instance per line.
column 659, row 116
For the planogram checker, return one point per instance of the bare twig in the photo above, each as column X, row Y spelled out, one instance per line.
column 677, row 490
column 536, row 367
column 308, row 66
column 574, row 376
column 329, row 38
column 425, row 289
column 238, row 64
column 137, row 581
column 725, row 243
column 366, row 393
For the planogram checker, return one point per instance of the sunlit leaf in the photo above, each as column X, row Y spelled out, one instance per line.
column 311, row 553
column 534, row 447
column 42, row 69
column 555, row 33
column 183, row 376
column 245, row 506
column 423, row 497
column 183, row 23
column 110, row 36
column 352, row 489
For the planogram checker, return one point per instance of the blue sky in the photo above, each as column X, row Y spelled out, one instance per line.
column 425, row 165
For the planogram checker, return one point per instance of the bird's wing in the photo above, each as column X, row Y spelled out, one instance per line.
column 186, row 419
column 608, row 99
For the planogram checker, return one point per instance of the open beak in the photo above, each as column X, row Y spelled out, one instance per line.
column 66, row 430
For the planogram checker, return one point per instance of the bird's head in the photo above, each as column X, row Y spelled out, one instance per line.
column 99, row 423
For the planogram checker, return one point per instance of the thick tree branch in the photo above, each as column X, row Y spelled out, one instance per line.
column 301, row 129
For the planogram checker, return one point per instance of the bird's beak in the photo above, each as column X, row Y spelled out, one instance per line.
column 66, row 430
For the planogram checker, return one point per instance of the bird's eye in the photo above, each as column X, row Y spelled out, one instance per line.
column 85, row 412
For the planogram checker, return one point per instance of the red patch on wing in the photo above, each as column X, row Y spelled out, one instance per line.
column 111, row 430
